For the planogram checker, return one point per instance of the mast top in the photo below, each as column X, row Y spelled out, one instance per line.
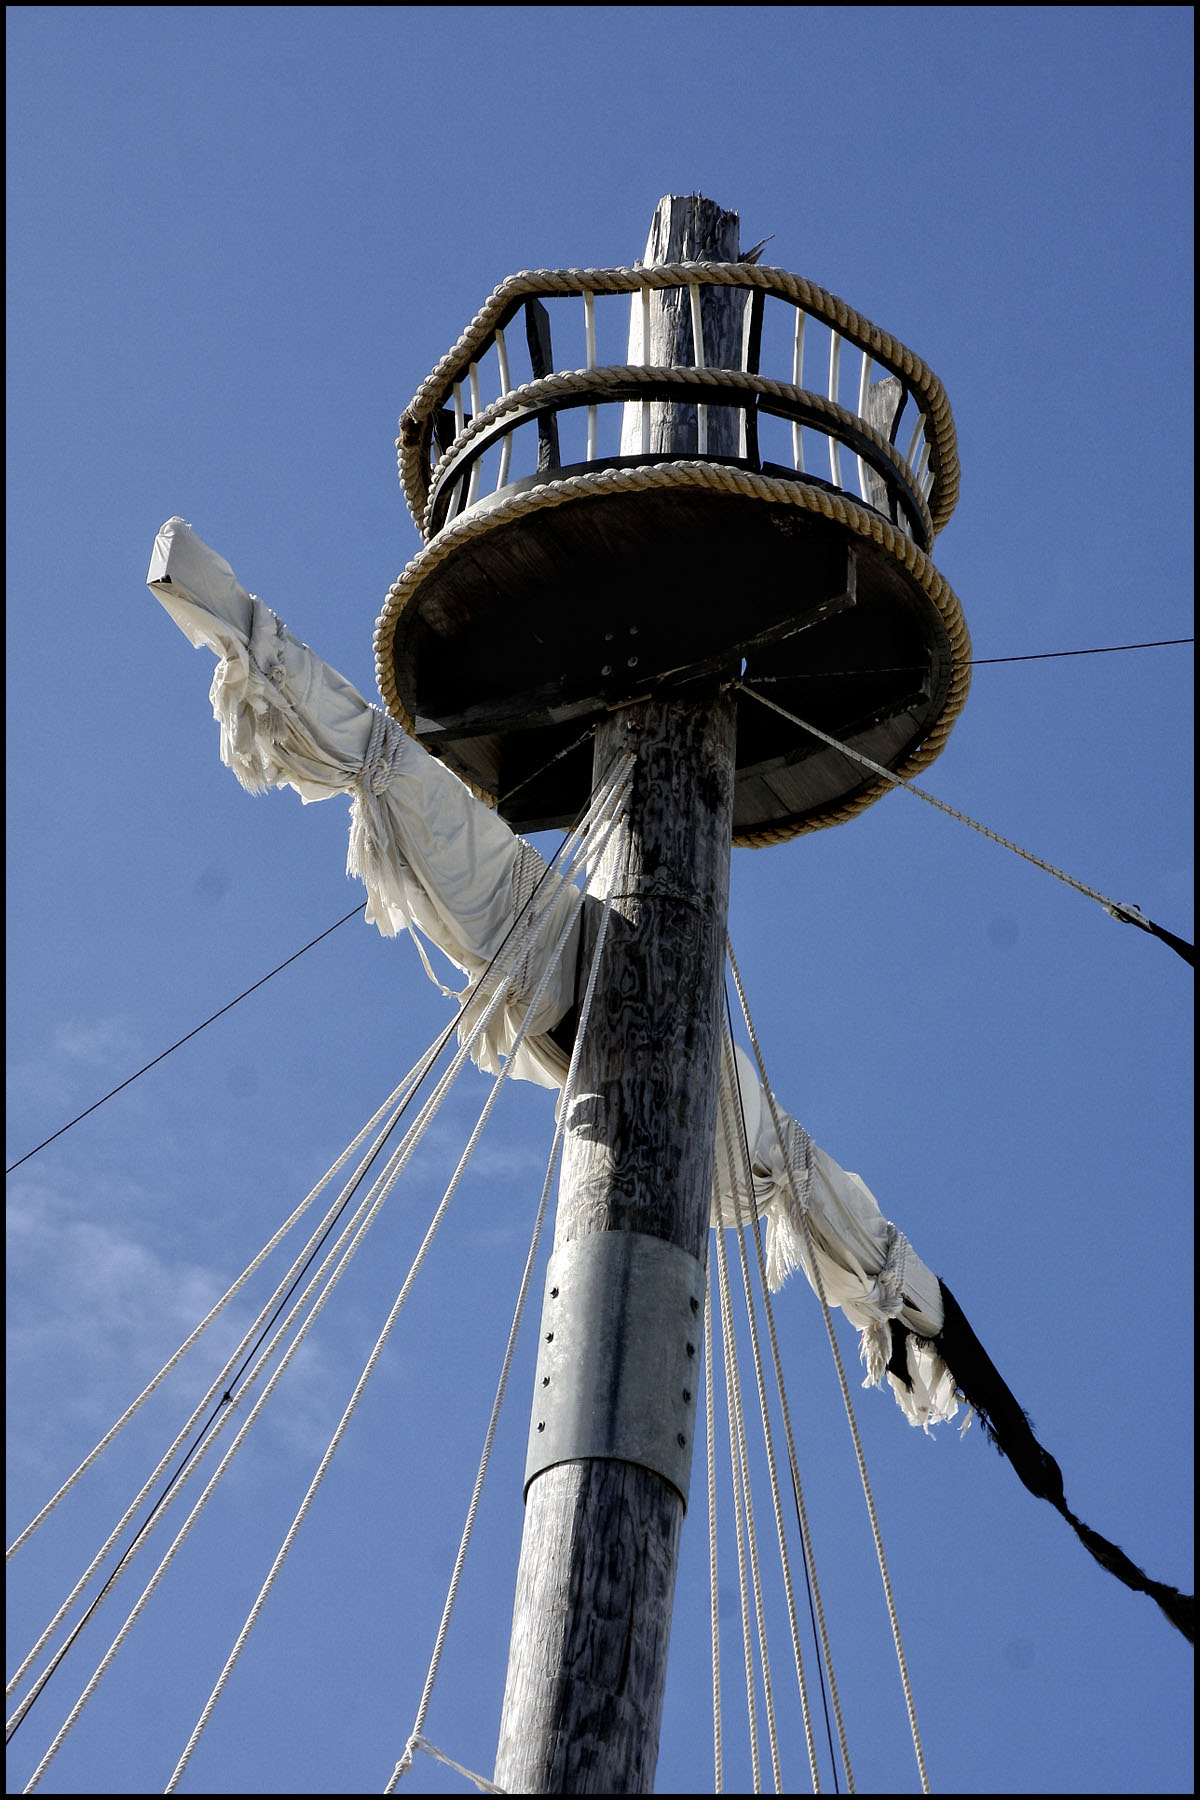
column 648, row 480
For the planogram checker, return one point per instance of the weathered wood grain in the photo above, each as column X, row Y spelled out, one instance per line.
column 884, row 401
column 595, row 1588
column 688, row 228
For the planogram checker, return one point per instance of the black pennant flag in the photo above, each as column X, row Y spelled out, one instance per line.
column 1007, row 1427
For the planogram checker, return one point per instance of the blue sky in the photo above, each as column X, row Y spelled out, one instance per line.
column 239, row 238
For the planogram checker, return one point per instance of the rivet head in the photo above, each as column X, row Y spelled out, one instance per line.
column 545, row 1381
column 681, row 1440
column 607, row 669
column 554, row 1293
column 541, row 1424
column 687, row 1393
column 691, row 1349
column 549, row 1337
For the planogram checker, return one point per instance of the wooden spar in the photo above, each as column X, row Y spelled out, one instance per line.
column 595, row 1585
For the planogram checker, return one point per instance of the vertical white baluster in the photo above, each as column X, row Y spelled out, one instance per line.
column 589, row 319
column 459, row 417
column 924, row 472
column 476, row 409
column 645, row 343
column 505, row 386
column 835, row 461
column 744, row 363
column 798, row 381
column 864, row 385
column 918, row 434
column 698, row 355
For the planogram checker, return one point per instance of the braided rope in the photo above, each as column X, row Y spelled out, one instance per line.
column 364, row 1378
column 608, row 815
column 751, row 1225
column 534, row 921
column 714, row 1593
column 1115, row 908
column 341, row 1253
column 392, row 1108
column 736, row 1425
column 714, row 478
column 593, row 382
column 801, row 1210
column 806, row 1537
column 367, row 1210
column 818, row 302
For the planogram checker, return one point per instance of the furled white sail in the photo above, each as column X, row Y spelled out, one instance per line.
column 434, row 857
column 429, row 854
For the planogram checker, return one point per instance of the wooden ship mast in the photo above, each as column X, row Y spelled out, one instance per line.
column 614, row 564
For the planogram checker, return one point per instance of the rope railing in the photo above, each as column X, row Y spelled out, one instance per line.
column 455, row 484
column 485, row 367
column 863, row 522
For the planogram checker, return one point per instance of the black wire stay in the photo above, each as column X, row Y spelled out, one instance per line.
column 179, row 1042
column 1130, row 915
column 231, row 1385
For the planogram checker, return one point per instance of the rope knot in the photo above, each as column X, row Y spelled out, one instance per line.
column 384, row 749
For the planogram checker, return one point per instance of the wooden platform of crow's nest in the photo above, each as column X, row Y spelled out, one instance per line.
column 537, row 612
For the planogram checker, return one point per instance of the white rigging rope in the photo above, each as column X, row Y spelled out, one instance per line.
column 802, row 1214
column 368, row 1209
column 318, row 1291
column 742, row 1505
column 1116, row 909
column 562, row 1112
column 744, row 1163
column 744, row 1224
column 571, row 852
column 710, row 1424
column 481, row 1781
column 217, row 1390
column 741, row 1162
column 377, row 1351
column 480, row 1011
column 414, row 1076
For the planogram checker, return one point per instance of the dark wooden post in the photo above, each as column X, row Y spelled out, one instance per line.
column 595, row 1587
